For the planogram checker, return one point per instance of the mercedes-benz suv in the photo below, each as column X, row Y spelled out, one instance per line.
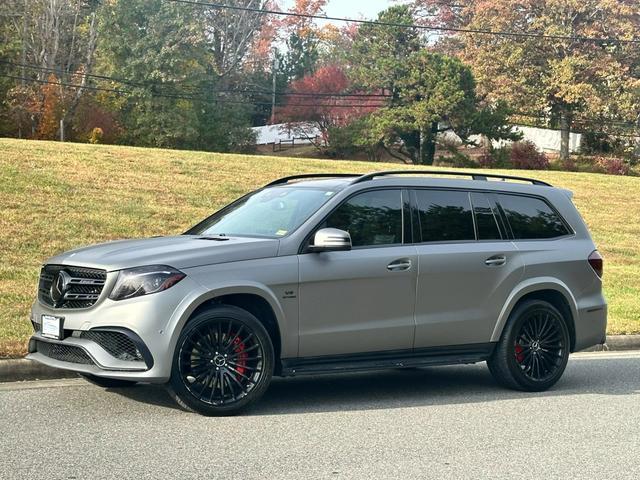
column 329, row 273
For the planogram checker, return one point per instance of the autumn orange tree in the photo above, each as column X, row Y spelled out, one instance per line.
column 321, row 102
column 554, row 69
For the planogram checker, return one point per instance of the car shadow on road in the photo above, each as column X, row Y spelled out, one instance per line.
column 416, row 387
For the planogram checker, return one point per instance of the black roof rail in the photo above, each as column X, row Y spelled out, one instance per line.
column 474, row 176
column 285, row 180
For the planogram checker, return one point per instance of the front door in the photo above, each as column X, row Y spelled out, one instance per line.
column 361, row 300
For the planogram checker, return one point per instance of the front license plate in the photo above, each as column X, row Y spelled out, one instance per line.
column 52, row 326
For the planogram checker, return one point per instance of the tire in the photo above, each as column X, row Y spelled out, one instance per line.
column 534, row 348
column 223, row 362
column 107, row 382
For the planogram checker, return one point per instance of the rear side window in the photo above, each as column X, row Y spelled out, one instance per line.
column 531, row 218
column 486, row 221
column 371, row 218
column 444, row 215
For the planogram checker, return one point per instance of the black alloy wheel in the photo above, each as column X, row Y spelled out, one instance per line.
column 223, row 362
column 534, row 349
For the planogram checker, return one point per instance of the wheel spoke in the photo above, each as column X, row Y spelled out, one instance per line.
column 225, row 377
column 241, row 374
column 213, row 388
column 246, row 367
column 544, row 327
column 246, row 350
column 235, row 337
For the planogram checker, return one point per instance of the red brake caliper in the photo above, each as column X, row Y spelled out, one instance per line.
column 519, row 353
column 238, row 347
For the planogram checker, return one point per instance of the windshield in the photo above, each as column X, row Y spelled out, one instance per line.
column 273, row 212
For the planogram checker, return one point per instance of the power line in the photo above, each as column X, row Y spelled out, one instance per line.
column 184, row 97
column 220, row 6
column 200, row 89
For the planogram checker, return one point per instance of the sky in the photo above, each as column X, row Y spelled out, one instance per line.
column 356, row 8
column 352, row 8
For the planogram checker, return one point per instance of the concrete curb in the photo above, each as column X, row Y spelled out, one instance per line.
column 19, row 369
column 617, row 343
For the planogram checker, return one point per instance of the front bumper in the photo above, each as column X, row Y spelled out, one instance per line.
column 147, row 320
column 81, row 355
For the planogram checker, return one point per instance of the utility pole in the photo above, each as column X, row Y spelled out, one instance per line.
column 276, row 65
column 23, row 56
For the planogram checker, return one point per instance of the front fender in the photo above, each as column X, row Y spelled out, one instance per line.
column 525, row 287
column 181, row 315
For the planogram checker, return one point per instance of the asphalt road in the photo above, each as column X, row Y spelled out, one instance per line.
column 446, row 422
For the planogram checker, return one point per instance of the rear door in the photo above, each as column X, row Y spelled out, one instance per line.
column 361, row 300
column 467, row 267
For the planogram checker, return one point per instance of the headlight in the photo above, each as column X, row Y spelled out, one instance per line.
column 135, row 282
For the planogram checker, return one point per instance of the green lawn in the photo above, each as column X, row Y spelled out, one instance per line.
column 57, row 196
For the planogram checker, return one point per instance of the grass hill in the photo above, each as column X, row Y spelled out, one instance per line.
column 57, row 196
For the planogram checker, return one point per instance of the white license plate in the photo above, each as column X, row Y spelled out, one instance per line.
column 52, row 326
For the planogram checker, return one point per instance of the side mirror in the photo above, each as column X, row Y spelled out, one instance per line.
column 330, row 240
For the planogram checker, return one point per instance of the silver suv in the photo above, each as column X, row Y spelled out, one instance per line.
column 332, row 273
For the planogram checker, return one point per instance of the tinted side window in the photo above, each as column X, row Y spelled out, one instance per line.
column 444, row 215
column 486, row 221
column 531, row 218
column 371, row 218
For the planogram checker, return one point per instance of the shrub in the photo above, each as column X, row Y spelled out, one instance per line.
column 456, row 160
column 569, row 165
column 525, row 155
column 496, row 158
column 611, row 166
column 96, row 135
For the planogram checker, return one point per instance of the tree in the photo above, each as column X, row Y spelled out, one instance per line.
column 379, row 54
column 428, row 92
column 230, row 34
column 319, row 102
column 565, row 80
column 55, row 37
column 300, row 57
column 378, row 60
column 158, row 48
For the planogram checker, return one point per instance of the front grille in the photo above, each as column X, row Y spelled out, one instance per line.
column 64, row 353
column 81, row 286
column 117, row 344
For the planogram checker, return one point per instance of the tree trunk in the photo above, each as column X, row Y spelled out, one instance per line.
column 428, row 144
column 565, row 133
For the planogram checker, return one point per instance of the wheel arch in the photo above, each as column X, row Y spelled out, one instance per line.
column 548, row 289
column 257, row 300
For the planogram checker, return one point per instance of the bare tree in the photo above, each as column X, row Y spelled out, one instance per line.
column 58, row 37
column 231, row 32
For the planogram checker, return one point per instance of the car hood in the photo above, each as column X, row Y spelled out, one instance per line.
column 181, row 251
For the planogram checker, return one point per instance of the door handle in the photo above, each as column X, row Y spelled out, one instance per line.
column 399, row 265
column 496, row 261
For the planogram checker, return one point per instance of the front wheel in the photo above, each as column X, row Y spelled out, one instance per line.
column 534, row 349
column 223, row 362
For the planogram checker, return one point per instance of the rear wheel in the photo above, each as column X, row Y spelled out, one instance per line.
column 223, row 362
column 107, row 382
column 534, row 349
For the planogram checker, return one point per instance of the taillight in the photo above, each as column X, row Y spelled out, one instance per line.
column 597, row 263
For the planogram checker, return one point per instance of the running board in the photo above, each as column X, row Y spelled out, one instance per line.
column 454, row 355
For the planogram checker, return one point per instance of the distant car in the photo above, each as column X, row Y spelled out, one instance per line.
column 332, row 273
